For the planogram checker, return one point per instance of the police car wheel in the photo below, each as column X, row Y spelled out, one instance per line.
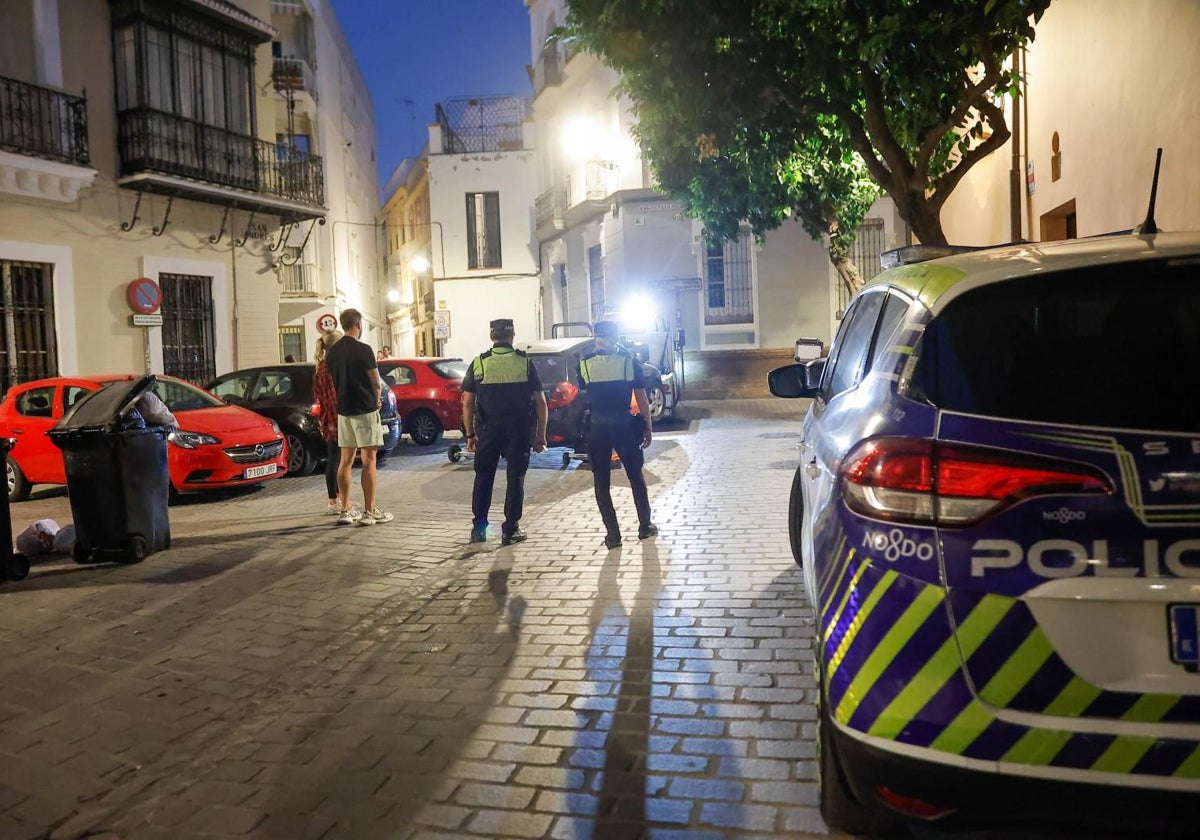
column 796, row 517
column 840, row 810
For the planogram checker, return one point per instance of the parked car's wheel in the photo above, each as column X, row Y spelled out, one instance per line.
column 657, row 402
column 300, row 460
column 18, row 486
column 796, row 517
column 424, row 427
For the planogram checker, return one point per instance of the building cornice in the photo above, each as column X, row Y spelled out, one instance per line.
column 37, row 178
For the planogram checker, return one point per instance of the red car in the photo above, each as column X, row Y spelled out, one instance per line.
column 428, row 395
column 216, row 445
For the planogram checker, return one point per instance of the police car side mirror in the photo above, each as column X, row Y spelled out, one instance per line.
column 792, row 381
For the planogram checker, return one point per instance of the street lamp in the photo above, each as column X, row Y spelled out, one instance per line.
column 419, row 264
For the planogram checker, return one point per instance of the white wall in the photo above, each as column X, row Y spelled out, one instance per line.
column 1115, row 80
column 474, row 303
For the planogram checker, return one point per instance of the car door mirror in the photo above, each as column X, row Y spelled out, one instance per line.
column 792, row 381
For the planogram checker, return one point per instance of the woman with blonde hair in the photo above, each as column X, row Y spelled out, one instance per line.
column 326, row 395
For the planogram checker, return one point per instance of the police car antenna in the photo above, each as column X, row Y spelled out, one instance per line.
column 1148, row 226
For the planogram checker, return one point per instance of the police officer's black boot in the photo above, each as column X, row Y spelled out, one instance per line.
column 647, row 530
column 612, row 539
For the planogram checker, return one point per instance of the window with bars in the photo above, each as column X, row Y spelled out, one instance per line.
column 869, row 242
column 187, row 330
column 596, row 281
column 291, row 343
column 729, row 282
column 483, row 230
column 29, row 349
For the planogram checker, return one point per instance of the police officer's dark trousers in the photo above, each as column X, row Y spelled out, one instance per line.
column 623, row 434
column 512, row 440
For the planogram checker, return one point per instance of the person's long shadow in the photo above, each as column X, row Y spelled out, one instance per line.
column 624, row 778
column 397, row 736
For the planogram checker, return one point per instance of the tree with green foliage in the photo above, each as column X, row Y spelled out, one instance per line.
column 761, row 110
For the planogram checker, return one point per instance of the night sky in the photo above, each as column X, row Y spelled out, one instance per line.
column 428, row 51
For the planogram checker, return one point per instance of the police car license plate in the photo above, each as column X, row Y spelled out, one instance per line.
column 259, row 472
column 1183, row 621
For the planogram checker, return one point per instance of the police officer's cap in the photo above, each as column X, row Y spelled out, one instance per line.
column 502, row 325
column 606, row 329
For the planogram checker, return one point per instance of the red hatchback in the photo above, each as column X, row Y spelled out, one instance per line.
column 216, row 445
column 428, row 395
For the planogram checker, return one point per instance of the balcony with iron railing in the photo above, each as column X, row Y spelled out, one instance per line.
column 158, row 149
column 482, row 124
column 549, row 209
column 43, row 122
column 294, row 74
column 299, row 280
column 43, row 142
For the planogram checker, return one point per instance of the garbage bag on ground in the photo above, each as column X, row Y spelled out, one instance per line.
column 38, row 538
column 64, row 540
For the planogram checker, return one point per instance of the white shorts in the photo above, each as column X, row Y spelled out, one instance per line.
column 360, row 431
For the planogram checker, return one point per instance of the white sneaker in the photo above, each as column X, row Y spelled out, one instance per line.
column 349, row 517
column 371, row 517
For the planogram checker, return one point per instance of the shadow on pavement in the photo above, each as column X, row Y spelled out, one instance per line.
column 623, row 784
column 381, row 738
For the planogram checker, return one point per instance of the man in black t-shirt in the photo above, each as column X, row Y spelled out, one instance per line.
column 351, row 365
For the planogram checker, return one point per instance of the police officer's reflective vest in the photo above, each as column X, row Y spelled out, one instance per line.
column 501, row 365
column 607, row 367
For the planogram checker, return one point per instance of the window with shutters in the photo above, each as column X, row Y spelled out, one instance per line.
column 187, row 331
column 28, row 342
column 729, row 282
column 291, row 343
column 483, row 230
column 596, row 281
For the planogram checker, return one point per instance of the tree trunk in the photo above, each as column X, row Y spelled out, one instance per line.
column 914, row 207
column 848, row 271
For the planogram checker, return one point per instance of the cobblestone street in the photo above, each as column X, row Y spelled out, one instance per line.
column 275, row 676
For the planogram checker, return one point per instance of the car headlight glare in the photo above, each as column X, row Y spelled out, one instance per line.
column 190, row 440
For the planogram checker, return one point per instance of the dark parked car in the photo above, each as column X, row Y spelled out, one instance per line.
column 428, row 395
column 284, row 393
column 557, row 363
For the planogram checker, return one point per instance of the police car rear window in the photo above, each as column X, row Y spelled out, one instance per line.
column 1114, row 345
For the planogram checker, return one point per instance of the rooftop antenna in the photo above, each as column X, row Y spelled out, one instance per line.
column 1148, row 226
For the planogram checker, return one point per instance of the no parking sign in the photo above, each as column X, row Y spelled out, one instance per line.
column 327, row 322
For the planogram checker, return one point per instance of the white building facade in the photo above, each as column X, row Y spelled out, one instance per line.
column 322, row 106
column 482, row 184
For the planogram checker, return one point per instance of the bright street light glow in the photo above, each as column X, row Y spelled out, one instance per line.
column 393, row 296
column 579, row 138
column 638, row 314
column 419, row 264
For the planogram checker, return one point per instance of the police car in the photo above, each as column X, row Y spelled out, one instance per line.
column 997, row 512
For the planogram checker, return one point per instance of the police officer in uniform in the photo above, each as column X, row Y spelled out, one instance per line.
column 504, row 413
column 610, row 376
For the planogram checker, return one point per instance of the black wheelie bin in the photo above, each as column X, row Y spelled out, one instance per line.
column 117, row 479
column 13, row 565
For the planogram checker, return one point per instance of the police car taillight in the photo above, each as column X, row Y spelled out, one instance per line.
column 928, row 482
column 564, row 394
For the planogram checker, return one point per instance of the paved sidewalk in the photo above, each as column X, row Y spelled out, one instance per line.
column 275, row 676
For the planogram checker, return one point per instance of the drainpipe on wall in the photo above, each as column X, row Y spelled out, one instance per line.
column 1015, row 175
column 233, row 334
